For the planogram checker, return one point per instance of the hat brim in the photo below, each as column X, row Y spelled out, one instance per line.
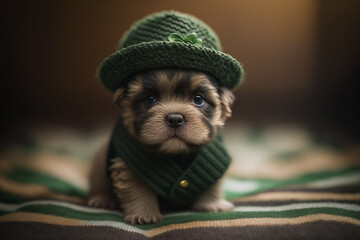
column 115, row 70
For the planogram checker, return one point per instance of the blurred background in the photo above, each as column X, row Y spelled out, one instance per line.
column 301, row 59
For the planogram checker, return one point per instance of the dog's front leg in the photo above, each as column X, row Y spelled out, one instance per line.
column 100, row 192
column 139, row 203
column 212, row 200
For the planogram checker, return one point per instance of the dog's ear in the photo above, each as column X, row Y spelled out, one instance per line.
column 227, row 99
column 118, row 95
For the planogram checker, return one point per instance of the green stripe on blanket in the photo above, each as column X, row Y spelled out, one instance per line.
column 285, row 211
column 238, row 187
column 29, row 176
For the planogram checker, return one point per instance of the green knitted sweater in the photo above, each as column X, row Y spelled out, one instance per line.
column 166, row 175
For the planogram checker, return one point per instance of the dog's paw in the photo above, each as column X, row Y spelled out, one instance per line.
column 143, row 218
column 102, row 202
column 218, row 205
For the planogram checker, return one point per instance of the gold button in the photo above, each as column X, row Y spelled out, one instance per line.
column 184, row 183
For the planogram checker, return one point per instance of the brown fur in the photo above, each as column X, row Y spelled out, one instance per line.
column 174, row 91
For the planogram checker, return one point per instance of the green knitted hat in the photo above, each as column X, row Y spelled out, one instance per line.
column 169, row 40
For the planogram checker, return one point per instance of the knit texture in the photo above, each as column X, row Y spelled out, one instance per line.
column 146, row 46
column 163, row 175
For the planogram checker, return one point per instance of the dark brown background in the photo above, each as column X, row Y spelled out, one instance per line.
column 300, row 57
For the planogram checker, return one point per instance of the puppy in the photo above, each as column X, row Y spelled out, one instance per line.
column 171, row 114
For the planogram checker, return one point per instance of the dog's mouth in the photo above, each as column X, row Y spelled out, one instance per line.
column 176, row 143
column 173, row 136
column 176, row 135
column 173, row 143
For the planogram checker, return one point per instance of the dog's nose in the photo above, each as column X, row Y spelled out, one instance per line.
column 175, row 120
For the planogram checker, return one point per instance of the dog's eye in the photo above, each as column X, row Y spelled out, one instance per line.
column 198, row 100
column 149, row 101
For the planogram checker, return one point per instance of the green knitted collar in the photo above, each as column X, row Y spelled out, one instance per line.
column 166, row 176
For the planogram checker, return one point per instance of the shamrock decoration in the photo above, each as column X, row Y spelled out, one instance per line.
column 190, row 38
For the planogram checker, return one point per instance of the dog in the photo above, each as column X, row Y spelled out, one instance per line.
column 171, row 114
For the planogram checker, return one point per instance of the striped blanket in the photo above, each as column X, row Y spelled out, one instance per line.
column 284, row 183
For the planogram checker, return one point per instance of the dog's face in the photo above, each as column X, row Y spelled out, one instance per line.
column 173, row 111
